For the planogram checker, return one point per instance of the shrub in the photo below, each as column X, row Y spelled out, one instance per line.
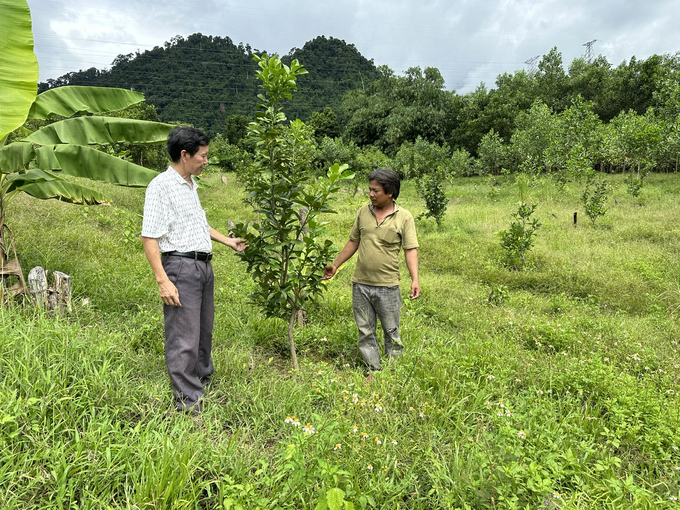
column 519, row 238
column 431, row 190
column 594, row 198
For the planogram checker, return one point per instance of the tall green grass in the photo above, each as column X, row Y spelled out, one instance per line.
column 560, row 392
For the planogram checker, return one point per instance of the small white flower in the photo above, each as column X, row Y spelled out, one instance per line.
column 490, row 377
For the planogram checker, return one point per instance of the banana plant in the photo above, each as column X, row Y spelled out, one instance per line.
column 40, row 163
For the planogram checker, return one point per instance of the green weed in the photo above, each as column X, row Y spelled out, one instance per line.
column 563, row 394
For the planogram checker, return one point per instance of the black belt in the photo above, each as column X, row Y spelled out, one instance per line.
column 196, row 255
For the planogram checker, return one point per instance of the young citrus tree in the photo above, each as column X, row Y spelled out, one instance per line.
column 36, row 162
column 518, row 240
column 285, row 256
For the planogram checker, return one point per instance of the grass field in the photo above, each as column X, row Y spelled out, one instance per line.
column 559, row 390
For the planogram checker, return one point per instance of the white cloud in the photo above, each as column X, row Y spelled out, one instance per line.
column 468, row 41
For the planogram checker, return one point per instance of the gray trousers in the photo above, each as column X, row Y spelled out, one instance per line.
column 188, row 329
column 370, row 302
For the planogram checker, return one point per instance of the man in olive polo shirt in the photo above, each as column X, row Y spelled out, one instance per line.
column 381, row 230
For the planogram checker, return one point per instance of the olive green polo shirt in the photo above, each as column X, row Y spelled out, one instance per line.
column 379, row 245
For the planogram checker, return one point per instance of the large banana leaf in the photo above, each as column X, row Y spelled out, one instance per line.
column 15, row 157
column 81, row 161
column 100, row 130
column 18, row 179
column 45, row 185
column 18, row 65
column 70, row 100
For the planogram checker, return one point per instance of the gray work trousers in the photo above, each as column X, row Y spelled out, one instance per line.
column 369, row 304
column 188, row 329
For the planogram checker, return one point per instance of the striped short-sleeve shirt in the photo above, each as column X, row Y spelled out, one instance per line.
column 173, row 214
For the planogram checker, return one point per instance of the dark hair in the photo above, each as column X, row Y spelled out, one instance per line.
column 184, row 138
column 388, row 179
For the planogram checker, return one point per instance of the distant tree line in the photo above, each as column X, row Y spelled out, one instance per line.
column 590, row 116
column 205, row 80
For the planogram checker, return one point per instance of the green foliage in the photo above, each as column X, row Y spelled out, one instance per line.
column 35, row 162
column 493, row 154
column 431, row 189
column 518, row 240
column 236, row 129
column 398, row 109
column 154, row 156
column 498, row 295
column 462, row 164
column 335, row 150
column 285, row 256
column 361, row 161
column 563, row 394
column 416, row 160
column 335, row 68
column 635, row 182
column 218, row 87
column 325, row 124
column 228, row 157
column 594, row 198
column 18, row 82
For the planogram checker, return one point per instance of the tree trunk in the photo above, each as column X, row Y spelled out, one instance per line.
column 61, row 297
column 44, row 296
column 37, row 286
column 291, row 340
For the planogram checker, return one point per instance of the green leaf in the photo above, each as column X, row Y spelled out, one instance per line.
column 31, row 176
column 19, row 76
column 81, row 161
column 39, row 185
column 15, row 156
column 101, row 130
column 72, row 100
column 335, row 498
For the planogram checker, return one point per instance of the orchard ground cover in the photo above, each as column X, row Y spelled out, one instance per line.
column 551, row 387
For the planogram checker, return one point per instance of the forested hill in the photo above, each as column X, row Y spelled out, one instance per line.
column 203, row 80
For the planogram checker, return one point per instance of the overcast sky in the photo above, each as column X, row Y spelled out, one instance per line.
column 469, row 41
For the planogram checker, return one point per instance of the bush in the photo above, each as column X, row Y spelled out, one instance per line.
column 594, row 199
column 519, row 238
column 431, row 190
column 415, row 160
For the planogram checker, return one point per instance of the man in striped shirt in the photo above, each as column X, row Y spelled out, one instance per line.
column 177, row 242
